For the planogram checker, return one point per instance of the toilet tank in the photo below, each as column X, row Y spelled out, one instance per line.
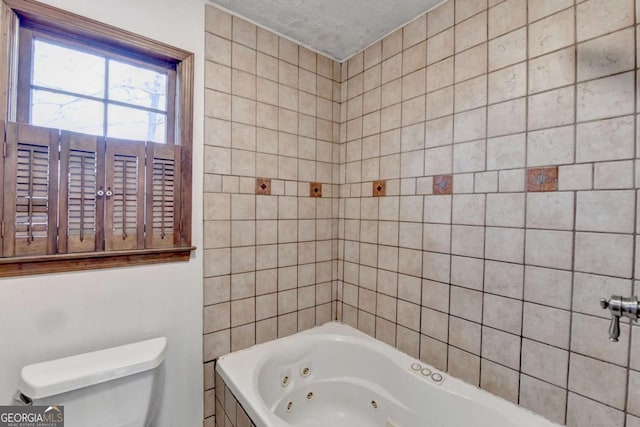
column 115, row 387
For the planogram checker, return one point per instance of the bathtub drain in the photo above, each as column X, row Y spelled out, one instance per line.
column 374, row 405
column 310, row 395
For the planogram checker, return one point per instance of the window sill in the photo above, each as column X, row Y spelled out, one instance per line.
column 25, row 266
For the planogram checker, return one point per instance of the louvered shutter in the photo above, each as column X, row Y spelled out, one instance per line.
column 163, row 196
column 30, row 190
column 81, row 178
column 124, row 195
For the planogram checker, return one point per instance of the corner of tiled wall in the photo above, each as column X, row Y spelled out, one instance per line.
column 502, row 137
column 505, row 132
column 270, row 198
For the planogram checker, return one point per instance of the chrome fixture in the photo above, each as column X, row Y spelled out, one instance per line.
column 620, row 306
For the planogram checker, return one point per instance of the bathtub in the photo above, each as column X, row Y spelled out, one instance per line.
column 334, row 376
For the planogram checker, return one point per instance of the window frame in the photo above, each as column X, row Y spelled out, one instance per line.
column 57, row 20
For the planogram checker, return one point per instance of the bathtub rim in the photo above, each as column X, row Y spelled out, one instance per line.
column 246, row 392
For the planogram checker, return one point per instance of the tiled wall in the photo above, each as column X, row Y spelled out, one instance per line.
column 505, row 134
column 228, row 410
column 270, row 238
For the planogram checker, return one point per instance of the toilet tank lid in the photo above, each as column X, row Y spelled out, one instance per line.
column 58, row 376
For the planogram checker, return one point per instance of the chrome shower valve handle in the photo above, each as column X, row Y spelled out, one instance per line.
column 620, row 306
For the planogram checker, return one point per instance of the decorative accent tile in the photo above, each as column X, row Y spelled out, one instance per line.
column 542, row 179
column 263, row 186
column 315, row 189
column 379, row 188
column 443, row 184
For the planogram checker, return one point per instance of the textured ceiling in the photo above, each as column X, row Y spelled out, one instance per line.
column 337, row 28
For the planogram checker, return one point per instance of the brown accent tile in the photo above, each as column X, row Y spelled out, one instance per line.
column 379, row 188
column 315, row 189
column 263, row 186
column 542, row 179
column 443, row 184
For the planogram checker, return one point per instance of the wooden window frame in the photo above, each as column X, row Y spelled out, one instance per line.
column 11, row 11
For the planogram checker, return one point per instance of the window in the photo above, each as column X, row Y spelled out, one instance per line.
column 96, row 166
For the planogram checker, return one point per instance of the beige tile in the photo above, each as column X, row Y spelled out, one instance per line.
column 244, row 32
column 541, row 8
column 606, row 97
column 499, row 380
column 589, row 413
column 613, row 175
column 505, row 210
column 392, row 44
column 633, row 405
column 588, row 288
column 471, row 94
column 467, row 209
column 440, row 18
column 434, row 324
column 440, row 74
column 502, row 313
column 608, row 254
column 467, row 8
column 550, row 210
column 507, row 118
column 585, row 376
column 465, row 366
column 465, row 335
column 552, row 33
column 471, row 63
column 508, row 83
column 547, row 248
column 438, row 161
column 589, row 336
column 507, row 16
column 435, row 266
column 552, row 70
column 218, row 22
column 546, row 324
column 466, row 272
column 597, row 17
column 471, row 32
column 433, row 352
column 508, row 49
column 503, row 279
column 602, row 140
column 606, row 211
column 554, row 108
column 466, row 303
column 605, row 55
column 548, row 286
column 440, row 46
column 545, row 362
column 550, row 146
column 504, row 244
column 469, row 156
column 414, row 58
column 543, row 398
column 467, row 126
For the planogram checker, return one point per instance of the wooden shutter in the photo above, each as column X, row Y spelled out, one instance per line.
column 124, row 195
column 81, row 180
column 30, row 190
column 163, row 196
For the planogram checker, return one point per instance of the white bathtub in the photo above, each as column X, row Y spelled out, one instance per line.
column 335, row 376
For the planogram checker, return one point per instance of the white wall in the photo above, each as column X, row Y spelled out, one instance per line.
column 45, row 317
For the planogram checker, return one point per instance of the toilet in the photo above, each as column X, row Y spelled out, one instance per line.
column 115, row 387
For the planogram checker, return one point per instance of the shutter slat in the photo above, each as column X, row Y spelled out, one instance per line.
column 163, row 196
column 30, row 190
column 124, row 218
